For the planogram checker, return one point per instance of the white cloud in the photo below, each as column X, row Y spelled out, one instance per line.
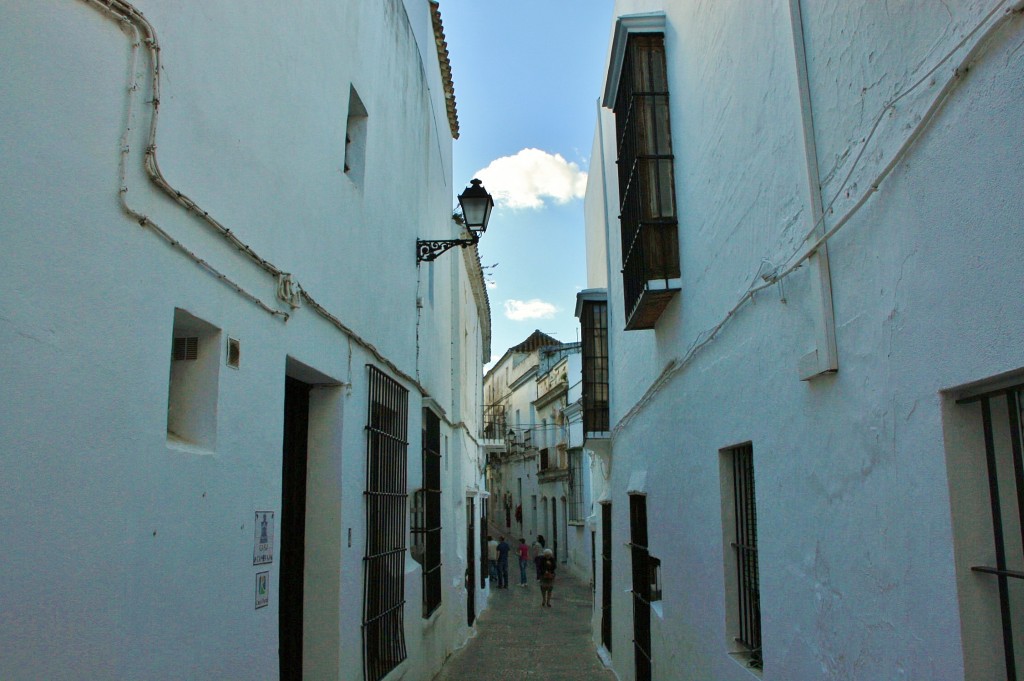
column 491, row 284
column 519, row 310
column 527, row 178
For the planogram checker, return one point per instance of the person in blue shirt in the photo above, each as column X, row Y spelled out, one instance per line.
column 503, row 549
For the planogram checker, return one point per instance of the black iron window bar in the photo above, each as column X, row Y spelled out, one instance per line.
column 384, row 561
column 1002, row 573
column 745, row 546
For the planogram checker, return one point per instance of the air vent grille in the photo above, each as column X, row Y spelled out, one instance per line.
column 185, row 348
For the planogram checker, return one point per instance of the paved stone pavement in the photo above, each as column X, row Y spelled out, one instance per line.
column 518, row 639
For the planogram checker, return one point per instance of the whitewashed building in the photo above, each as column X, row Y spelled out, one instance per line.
column 806, row 219
column 240, row 423
column 537, row 480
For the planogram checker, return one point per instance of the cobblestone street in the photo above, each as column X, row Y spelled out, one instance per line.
column 518, row 639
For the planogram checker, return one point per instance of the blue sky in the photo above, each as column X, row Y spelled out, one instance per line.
column 527, row 77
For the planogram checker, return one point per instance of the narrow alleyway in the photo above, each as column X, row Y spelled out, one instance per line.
column 518, row 639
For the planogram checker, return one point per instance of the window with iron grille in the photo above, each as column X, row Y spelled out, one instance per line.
column 989, row 525
column 740, row 518
column 576, row 514
column 495, row 426
column 426, row 521
column 647, row 204
column 641, row 556
column 594, row 323
column 384, row 561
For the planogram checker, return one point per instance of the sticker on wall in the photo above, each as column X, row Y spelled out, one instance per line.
column 263, row 541
column 262, row 589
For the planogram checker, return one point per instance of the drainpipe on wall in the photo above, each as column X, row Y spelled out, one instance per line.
column 824, row 359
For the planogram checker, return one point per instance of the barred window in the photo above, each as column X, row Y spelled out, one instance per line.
column 990, row 493
column 594, row 321
column 576, row 512
column 426, row 516
column 383, row 565
column 745, row 595
column 647, row 203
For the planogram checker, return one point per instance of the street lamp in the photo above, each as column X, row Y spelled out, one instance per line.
column 476, row 206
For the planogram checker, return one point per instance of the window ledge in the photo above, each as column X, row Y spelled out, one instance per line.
column 651, row 303
column 742, row 658
column 179, row 445
column 429, row 620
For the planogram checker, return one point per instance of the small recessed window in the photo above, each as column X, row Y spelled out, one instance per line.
column 355, row 138
column 234, row 353
column 654, row 570
column 192, row 383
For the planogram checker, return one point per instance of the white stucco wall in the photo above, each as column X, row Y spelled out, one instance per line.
column 856, row 545
column 129, row 556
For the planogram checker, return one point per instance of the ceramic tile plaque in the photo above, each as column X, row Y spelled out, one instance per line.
column 262, row 589
column 263, row 539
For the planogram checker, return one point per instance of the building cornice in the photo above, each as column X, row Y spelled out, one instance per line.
column 522, row 380
column 471, row 258
column 560, row 388
column 650, row 22
column 590, row 295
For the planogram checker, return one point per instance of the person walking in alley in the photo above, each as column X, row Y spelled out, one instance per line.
column 524, row 560
column 503, row 549
column 492, row 557
column 537, row 552
column 547, row 578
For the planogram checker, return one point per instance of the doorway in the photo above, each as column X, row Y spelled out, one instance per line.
column 639, row 548
column 565, row 530
column 606, row 575
column 554, row 526
column 470, row 562
column 294, row 456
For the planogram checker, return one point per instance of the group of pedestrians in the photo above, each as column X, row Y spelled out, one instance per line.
column 543, row 560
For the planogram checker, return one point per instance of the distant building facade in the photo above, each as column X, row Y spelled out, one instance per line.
column 240, row 424
column 803, row 235
column 538, row 480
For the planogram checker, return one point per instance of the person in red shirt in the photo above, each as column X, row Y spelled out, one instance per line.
column 524, row 559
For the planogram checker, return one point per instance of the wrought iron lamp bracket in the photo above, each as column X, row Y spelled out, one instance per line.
column 429, row 249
